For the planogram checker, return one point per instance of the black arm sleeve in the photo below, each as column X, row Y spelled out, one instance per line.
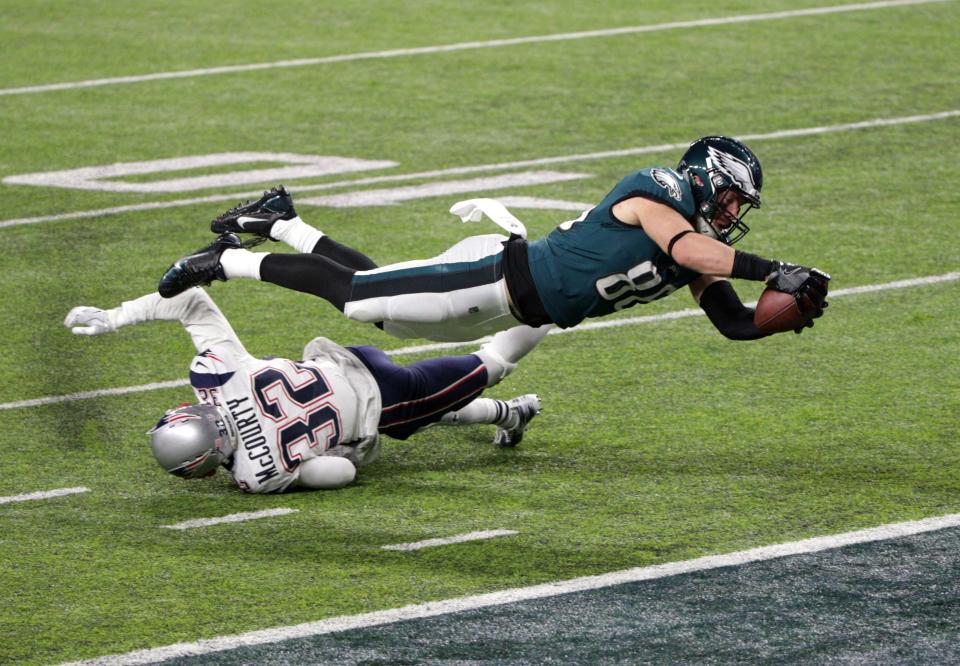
column 728, row 313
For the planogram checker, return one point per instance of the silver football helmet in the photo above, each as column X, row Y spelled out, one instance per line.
column 191, row 441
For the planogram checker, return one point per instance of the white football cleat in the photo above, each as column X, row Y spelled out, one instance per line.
column 522, row 410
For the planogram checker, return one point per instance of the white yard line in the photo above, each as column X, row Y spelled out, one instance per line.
column 445, row 607
column 84, row 395
column 459, row 538
column 394, row 195
column 442, row 346
column 500, row 166
column 46, row 494
column 232, row 518
column 464, row 46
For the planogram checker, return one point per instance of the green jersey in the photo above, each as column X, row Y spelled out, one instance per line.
column 596, row 265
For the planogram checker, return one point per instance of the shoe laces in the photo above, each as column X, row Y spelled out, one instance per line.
column 267, row 194
column 233, row 211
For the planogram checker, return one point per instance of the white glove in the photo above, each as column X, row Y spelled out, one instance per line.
column 473, row 210
column 84, row 320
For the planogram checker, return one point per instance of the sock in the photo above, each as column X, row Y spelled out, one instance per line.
column 343, row 254
column 241, row 263
column 510, row 418
column 296, row 233
column 309, row 273
column 481, row 410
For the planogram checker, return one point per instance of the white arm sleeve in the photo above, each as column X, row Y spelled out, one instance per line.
column 193, row 308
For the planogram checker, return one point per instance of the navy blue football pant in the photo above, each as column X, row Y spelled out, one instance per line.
column 417, row 395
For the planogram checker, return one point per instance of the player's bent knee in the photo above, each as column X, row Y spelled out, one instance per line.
column 367, row 312
column 497, row 366
column 326, row 473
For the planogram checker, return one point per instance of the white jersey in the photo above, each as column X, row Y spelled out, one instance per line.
column 284, row 412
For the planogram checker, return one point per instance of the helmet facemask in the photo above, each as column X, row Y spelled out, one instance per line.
column 716, row 221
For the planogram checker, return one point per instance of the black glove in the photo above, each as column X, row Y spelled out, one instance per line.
column 808, row 286
column 809, row 322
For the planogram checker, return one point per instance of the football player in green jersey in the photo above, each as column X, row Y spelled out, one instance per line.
column 659, row 229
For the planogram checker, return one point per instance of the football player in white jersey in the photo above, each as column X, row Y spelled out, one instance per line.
column 277, row 424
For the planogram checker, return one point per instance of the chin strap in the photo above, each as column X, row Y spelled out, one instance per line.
column 233, row 436
column 473, row 210
column 705, row 228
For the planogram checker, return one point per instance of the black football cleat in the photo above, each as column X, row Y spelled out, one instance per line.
column 522, row 410
column 257, row 217
column 200, row 268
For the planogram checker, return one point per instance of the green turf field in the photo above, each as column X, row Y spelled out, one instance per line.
column 659, row 441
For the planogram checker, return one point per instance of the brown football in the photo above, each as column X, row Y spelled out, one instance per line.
column 777, row 311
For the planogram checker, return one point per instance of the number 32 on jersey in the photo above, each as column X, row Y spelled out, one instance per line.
column 297, row 400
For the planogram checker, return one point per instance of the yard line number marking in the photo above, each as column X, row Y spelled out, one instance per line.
column 440, row 346
column 46, row 494
column 435, row 608
column 232, row 518
column 463, row 46
column 459, row 538
column 606, row 154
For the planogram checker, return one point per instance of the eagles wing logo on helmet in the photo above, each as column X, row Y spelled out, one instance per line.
column 735, row 168
column 668, row 181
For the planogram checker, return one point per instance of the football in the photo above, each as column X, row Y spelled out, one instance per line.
column 777, row 311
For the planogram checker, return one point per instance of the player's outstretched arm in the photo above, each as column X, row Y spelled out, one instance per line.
column 708, row 256
column 725, row 309
column 194, row 308
column 736, row 321
column 712, row 258
column 674, row 235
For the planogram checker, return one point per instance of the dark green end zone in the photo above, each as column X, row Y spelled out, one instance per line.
column 894, row 601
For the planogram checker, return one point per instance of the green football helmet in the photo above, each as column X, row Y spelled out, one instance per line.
column 712, row 165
